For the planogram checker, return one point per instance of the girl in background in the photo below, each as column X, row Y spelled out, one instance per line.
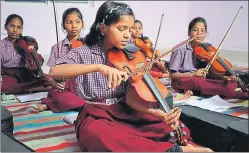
column 137, row 33
column 188, row 73
column 58, row 100
column 16, row 78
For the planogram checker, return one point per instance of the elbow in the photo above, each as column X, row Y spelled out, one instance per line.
column 52, row 71
column 172, row 76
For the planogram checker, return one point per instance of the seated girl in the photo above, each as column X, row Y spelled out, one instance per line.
column 59, row 100
column 188, row 73
column 107, row 122
column 159, row 70
column 16, row 78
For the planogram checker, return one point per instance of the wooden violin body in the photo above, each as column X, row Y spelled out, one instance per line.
column 206, row 52
column 28, row 47
column 119, row 60
column 145, row 45
column 219, row 65
column 144, row 88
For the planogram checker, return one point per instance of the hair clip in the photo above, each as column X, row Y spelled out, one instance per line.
column 113, row 9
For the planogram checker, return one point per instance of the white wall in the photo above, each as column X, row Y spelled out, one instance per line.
column 219, row 16
column 150, row 12
column 39, row 20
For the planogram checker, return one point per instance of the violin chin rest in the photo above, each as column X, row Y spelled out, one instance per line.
column 131, row 48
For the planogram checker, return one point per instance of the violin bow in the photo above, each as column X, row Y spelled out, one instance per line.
column 154, row 53
column 145, row 68
column 56, row 29
column 218, row 49
column 57, row 40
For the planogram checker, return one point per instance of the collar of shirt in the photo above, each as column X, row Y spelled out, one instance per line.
column 66, row 42
column 189, row 47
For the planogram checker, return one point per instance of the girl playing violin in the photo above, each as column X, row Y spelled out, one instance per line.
column 15, row 77
column 105, row 122
column 57, row 101
column 188, row 73
column 137, row 33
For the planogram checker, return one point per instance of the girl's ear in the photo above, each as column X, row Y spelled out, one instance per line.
column 103, row 29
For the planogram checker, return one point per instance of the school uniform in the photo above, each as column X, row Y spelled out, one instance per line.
column 16, row 77
column 57, row 100
column 184, row 60
column 105, row 122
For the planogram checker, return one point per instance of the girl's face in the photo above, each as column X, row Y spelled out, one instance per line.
column 118, row 34
column 137, row 31
column 198, row 29
column 14, row 28
column 73, row 25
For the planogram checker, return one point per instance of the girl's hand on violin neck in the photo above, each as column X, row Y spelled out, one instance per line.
column 190, row 148
column 172, row 118
column 200, row 73
column 114, row 76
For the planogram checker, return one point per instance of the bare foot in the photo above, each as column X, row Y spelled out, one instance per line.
column 43, row 107
column 187, row 94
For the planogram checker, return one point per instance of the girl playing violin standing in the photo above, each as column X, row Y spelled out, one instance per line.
column 16, row 77
column 158, row 69
column 105, row 122
column 188, row 72
column 58, row 101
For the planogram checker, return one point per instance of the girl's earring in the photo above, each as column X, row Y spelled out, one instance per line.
column 103, row 33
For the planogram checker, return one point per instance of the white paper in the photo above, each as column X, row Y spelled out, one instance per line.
column 70, row 118
column 214, row 103
column 31, row 96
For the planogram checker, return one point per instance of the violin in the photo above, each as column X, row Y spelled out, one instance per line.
column 145, row 88
column 206, row 51
column 77, row 43
column 145, row 44
column 28, row 47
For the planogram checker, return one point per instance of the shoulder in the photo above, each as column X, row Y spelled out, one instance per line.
column 84, row 50
column 183, row 48
column 2, row 45
column 59, row 44
column 3, row 41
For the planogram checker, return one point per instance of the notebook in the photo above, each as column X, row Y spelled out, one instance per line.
column 31, row 96
column 214, row 103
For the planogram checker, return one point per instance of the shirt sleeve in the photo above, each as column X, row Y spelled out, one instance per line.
column 53, row 56
column 73, row 57
column 176, row 60
column 1, row 51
